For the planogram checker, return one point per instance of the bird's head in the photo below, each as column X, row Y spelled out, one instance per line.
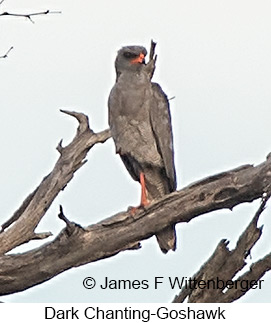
column 130, row 58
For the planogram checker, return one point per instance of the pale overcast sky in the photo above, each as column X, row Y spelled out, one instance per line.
column 213, row 57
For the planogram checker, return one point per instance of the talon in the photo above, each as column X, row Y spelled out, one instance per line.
column 132, row 210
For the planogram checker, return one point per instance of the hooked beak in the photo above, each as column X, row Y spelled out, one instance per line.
column 139, row 59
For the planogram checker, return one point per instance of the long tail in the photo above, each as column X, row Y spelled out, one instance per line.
column 167, row 239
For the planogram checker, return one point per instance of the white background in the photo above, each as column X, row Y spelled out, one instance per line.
column 213, row 57
column 171, row 312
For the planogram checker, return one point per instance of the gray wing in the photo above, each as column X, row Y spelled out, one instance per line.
column 130, row 124
column 161, row 125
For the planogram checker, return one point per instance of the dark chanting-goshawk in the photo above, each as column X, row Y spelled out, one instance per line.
column 140, row 123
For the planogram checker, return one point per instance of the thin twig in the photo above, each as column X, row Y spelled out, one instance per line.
column 150, row 66
column 28, row 15
column 71, row 227
column 6, row 55
column 152, row 50
column 63, row 217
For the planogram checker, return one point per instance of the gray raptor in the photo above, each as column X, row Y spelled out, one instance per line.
column 140, row 124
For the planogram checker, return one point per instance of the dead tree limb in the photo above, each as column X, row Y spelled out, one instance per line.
column 78, row 246
column 215, row 283
column 72, row 157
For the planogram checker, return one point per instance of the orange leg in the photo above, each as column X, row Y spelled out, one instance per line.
column 144, row 201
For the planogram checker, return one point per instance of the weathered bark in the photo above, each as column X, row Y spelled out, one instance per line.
column 75, row 246
column 223, row 265
column 28, row 216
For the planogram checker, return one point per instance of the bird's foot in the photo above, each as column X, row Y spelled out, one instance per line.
column 134, row 209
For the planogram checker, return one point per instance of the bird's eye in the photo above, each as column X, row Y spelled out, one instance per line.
column 129, row 55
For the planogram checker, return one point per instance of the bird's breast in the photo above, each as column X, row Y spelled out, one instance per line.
column 129, row 105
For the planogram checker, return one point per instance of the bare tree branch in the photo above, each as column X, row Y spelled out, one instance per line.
column 78, row 246
column 152, row 50
column 19, row 212
column 150, row 66
column 6, row 55
column 27, row 217
column 223, row 266
column 29, row 15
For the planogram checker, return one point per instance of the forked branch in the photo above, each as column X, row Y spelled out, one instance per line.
column 72, row 157
column 215, row 283
column 121, row 231
column 29, row 16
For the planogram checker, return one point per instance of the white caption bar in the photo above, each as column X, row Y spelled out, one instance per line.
column 132, row 312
